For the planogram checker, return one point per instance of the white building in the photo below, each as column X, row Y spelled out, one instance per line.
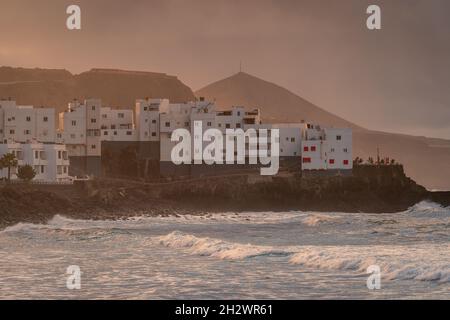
column 25, row 123
column 80, row 128
column 147, row 118
column 326, row 148
column 49, row 161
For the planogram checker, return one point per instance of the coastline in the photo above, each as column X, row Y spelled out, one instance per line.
column 370, row 190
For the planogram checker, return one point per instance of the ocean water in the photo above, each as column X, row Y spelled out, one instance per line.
column 264, row 255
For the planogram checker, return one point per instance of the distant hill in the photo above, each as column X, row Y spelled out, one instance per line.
column 426, row 160
column 277, row 103
column 117, row 88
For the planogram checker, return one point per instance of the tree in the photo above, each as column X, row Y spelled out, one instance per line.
column 8, row 161
column 26, row 173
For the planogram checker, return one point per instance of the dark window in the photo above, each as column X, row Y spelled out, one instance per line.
column 167, row 124
column 153, row 134
column 331, row 161
column 345, row 162
column 153, row 121
column 305, row 148
column 338, row 138
column 45, row 119
column 313, row 148
column 306, row 160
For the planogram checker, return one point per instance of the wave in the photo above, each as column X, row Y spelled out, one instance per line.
column 400, row 265
column 395, row 262
column 218, row 248
column 428, row 208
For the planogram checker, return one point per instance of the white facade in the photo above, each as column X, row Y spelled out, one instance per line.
column 147, row 118
column 25, row 123
column 80, row 128
column 49, row 161
column 326, row 148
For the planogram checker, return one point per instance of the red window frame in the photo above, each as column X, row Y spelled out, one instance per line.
column 306, row 160
column 313, row 148
column 305, row 148
column 331, row 161
column 346, row 162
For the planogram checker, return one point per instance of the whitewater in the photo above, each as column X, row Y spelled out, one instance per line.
column 249, row 255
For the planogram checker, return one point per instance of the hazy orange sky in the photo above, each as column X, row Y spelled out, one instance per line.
column 396, row 79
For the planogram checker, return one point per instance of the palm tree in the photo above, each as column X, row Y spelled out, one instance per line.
column 8, row 161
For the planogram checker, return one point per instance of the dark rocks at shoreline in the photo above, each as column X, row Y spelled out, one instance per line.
column 372, row 189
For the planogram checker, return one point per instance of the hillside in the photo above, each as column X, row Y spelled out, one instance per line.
column 55, row 88
column 426, row 160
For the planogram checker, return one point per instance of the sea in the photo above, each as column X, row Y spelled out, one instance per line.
column 248, row 255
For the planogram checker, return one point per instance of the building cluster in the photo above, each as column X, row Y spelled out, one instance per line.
column 86, row 128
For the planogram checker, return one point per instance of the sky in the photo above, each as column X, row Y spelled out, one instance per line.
column 396, row 79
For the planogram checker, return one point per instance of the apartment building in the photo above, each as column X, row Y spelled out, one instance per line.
column 49, row 161
column 25, row 123
column 326, row 148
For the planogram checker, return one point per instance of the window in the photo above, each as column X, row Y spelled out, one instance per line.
column 153, row 134
column 345, row 150
column 65, row 169
column 129, row 133
column 305, row 148
column 59, row 155
column 332, row 150
column 239, row 113
column 12, row 131
column 42, row 169
column 93, row 120
column 331, row 161
column 293, row 140
column 313, row 148
column 228, row 126
column 72, row 136
column 338, row 138
column 115, row 133
column 306, row 160
column 145, row 108
column 26, row 132
column 105, row 133
column 74, row 123
column 186, row 124
column 345, row 162
column 45, row 119
column 93, row 146
column 28, row 118
column 104, row 116
column 93, row 107
column 153, row 121
column 36, row 154
column 167, row 124
column 209, row 124
column 121, row 115
column 238, row 125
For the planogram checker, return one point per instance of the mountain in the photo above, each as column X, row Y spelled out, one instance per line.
column 426, row 160
column 55, row 88
column 277, row 104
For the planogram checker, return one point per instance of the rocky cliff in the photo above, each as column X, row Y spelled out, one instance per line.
column 117, row 88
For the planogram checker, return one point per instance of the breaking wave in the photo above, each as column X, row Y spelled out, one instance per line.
column 218, row 248
column 429, row 209
column 396, row 263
